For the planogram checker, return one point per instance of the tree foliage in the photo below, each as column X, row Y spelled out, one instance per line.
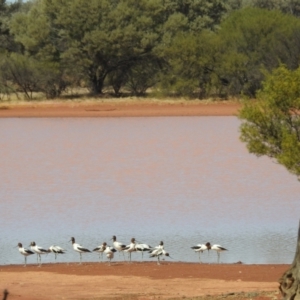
column 100, row 37
column 271, row 124
column 27, row 75
column 286, row 6
column 254, row 40
column 195, row 48
column 192, row 71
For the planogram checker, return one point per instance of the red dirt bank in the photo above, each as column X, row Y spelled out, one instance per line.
column 140, row 281
column 119, row 109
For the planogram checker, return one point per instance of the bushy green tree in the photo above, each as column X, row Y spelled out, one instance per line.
column 93, row 38
column 195, row 15
column 7, row 42
column 192, row 64
column 192, row 16
column 271, row 124
column 286, row 6
column 27, row 75
column 254, row 40
column 271, row 127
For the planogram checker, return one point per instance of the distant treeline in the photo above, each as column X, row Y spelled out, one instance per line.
column 190, row 48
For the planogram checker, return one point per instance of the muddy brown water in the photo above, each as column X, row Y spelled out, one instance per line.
column 183, row 180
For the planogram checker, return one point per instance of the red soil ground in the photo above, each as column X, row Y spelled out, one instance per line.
column 115, row 109
column 141, row 281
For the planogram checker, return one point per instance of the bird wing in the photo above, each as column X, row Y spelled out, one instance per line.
column 218, row 247
column 83, row 249
column 142, row 247
column 59, row 248
column 127, row 247
column 28, row 251
column 109, row 250
column 42, row 249
column 196, row 247
column 119, row 245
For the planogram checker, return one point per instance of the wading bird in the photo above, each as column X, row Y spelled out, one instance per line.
column 38, row 250
column 217, row 248
column 118, row 245
column 100, row 249
column 25, row 252
column 56, row 250
column 159, row 251
column 142, row 248
column 130, row 248
column 79, row 248
column 109, row 251
column 200, row 248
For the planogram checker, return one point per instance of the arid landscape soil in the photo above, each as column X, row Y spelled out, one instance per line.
column 111, row 108
column 122, row 280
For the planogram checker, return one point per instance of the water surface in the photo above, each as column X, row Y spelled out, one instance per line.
column 183, row 180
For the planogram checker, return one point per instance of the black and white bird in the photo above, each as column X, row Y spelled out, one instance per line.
column 142, row 248
column 200, row 248
column 25, row 252
column 100, row 249
column 158, row 251
column 56, row 250
column 130, row 248
column 118, row 245
column 217, row 248
column 79, row 248
column 38, row 250
column 109, row 251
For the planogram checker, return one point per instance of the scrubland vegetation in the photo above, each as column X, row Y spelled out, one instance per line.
column 182, row 48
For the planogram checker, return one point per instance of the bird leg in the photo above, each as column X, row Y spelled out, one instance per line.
column 158, row 261
column 40, row 260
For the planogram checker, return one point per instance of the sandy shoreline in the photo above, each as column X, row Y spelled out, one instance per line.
column 118, row 109
column 139, row 280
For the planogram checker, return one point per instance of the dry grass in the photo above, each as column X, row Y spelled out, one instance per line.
column 88, row 100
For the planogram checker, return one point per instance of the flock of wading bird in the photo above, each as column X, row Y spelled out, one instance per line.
column 155, row 252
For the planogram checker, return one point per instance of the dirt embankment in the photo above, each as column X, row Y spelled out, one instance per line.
column 141, row 281
column 119, row 109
